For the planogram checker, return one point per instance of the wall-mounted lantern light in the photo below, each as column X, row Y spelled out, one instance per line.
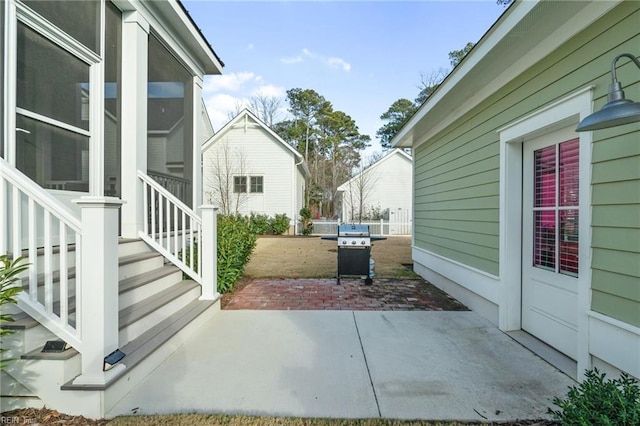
column 618, row 110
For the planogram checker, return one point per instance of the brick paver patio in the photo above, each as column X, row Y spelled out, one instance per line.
column 351, row 294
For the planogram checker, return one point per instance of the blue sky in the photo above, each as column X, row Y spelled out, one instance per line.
column 360, row 55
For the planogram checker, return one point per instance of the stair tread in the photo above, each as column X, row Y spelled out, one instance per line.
column 141, row 309
column 132, row 258
column 56, row 356
column 144, row 345
column 136, row 281
column 21, row 321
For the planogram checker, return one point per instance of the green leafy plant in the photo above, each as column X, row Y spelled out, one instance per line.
column 597, row 401
column 279, row 224
column 236, row 240
column 260, row 224
column 305, row 219
column 9, row 271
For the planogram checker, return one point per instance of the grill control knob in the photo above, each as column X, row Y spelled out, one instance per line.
column 362, row 242
column 344, row 242
column 353, row 242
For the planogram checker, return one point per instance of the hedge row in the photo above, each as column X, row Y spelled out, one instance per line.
column 236, row 240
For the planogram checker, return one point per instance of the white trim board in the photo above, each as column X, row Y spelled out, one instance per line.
column 615, row 342
column 561, row 114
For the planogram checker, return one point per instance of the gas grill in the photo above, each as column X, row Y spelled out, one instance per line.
column 354, row 251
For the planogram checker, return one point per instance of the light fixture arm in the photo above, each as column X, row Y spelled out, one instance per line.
column 615, row 90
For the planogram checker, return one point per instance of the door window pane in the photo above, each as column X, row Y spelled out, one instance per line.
column 545, row 177
column 556, row 211
column 51, row 81
column 79, row 19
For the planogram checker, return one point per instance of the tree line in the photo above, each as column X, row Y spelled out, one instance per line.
column 329, row 139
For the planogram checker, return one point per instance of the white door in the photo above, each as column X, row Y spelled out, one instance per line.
column 550, row 239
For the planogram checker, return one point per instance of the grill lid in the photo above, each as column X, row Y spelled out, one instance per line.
column 355, row 230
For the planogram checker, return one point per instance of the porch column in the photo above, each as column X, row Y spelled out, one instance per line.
column 198, row 140
column 135, row 29
column 97, row 304
column 209, row 252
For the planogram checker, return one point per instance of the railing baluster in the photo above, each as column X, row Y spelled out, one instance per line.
column 145, row 201
column 183, row 236
column 64, row 284
column 48, row 266
column 33, row 251
column 153, row 213
column 160, row 219
column 168, row 224
column 4, row 220
column 16, row 215
column 175, row 229
column 78, row 288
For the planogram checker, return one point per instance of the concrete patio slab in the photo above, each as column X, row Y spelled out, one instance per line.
column 276, row 363
column 350, row 364
column 454, row 366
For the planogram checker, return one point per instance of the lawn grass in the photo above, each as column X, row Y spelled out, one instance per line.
column 240, row 420
column 313, row 257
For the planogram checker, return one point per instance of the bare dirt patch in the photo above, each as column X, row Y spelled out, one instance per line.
column 313, row 257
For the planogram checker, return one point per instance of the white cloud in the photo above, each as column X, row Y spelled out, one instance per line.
column 291, row 60
column 220, row 106
column 332, row 62
column 229, row 82
column 269, row 90
column 339, row 63
column 250, row 46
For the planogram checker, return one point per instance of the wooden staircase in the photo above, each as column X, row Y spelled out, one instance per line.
column 158, row 310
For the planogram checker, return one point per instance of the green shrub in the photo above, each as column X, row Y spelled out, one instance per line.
column 279, row 224
column 260, row 224
column 9, row 272
column 597, row 401
column 236, row 240
column 305, row 219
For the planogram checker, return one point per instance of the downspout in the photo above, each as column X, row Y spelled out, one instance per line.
column 294, row 218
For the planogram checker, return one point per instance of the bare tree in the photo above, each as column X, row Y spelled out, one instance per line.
column 220, row 179
column 359, row 189
column 238, row 106
column 267, row 108
column 429, row 82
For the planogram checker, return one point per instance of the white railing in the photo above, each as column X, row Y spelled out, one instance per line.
column 48, row 234
column 172, row 228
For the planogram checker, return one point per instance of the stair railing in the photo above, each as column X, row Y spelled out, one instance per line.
column 183, row 237
column 172, row 228
column 48, row 234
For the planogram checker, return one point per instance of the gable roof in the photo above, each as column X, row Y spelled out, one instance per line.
column 526, row 33
column 243, row 116
column 395, row 152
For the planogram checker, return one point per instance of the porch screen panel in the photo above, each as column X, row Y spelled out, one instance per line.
column 112, row 101
column 556, row 200
column 2, row 93
column 170, row 122
column 52, row 120
column 79, row 19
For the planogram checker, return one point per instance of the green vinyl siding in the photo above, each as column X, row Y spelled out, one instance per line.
column 457, row 171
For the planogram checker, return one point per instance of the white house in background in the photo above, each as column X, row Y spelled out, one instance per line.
column 248, row 168
column 386, row 187
column 100, row 189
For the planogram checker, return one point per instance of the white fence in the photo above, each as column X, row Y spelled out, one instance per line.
column 379, row 227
